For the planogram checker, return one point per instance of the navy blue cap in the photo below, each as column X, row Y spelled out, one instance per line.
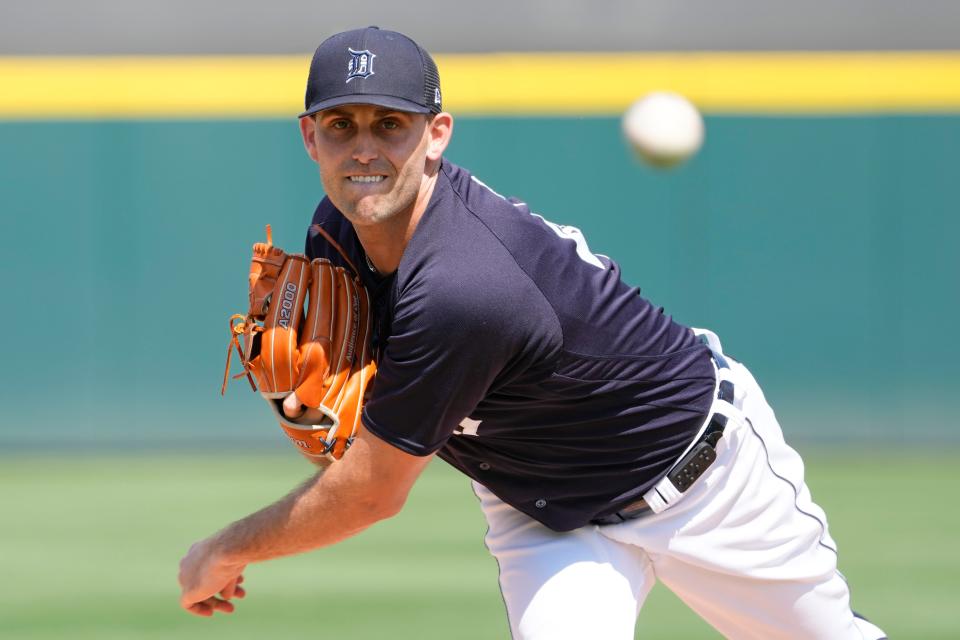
column 372, row 66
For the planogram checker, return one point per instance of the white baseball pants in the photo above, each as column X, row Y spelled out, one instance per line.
column 745, row 547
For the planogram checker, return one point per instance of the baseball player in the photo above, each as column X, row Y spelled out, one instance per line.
column 610, row 446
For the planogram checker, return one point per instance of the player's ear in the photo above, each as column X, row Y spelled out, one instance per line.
column 308, row 130
column 439, row 128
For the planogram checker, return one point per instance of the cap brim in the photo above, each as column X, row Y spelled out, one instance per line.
column 390, row 102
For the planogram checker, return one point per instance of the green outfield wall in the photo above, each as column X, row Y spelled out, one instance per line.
column 823, row 250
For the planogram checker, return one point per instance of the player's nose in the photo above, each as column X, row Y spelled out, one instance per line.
column 365, row 149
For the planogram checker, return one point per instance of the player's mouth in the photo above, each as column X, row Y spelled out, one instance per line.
column 366, row 179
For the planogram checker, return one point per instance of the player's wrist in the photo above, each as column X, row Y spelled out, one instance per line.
column 224, row 550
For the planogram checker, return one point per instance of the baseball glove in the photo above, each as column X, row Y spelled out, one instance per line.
column 306, row 345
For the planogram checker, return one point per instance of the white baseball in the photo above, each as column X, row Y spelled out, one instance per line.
column 664, row 128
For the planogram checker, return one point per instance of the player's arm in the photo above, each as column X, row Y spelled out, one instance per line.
column 369, row 484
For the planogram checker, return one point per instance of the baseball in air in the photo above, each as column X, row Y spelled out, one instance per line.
column 664, row 128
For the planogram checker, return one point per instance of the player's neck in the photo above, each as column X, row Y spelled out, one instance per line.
column 385, row 242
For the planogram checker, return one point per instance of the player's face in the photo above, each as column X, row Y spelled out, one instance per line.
column 373, row 161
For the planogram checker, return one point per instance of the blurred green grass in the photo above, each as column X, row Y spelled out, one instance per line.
column 89, row 548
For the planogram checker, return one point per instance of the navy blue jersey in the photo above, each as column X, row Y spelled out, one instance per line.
column 523, row 359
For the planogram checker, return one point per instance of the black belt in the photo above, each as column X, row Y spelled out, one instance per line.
column 692, row 465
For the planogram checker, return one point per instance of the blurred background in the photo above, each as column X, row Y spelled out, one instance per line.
column 145, row 145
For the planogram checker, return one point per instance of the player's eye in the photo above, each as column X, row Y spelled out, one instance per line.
column 390, row 124
column 340, row 124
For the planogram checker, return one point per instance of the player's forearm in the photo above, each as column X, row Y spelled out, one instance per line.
column 323, row 511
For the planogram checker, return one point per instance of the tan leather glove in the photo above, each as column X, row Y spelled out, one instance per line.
column 306, row 339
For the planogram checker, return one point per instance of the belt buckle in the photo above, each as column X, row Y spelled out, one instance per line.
column 692, row 466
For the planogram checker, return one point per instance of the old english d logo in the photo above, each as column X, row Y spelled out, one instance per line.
column 360, row 65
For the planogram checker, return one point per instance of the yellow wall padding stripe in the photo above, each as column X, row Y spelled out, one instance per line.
column 491, row 84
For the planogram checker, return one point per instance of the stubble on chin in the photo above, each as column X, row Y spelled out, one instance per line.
column 368, row 211
column 382, row 208
column 357, row 211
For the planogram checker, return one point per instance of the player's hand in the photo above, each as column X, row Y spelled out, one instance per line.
column 208, row 582
column 297, row 412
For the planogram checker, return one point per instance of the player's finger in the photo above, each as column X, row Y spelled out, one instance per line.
column 238, row 591
column 292, row 407
column 312, row 416
column 208, row 607
column 228, row 591
column 223, row 606
column 200, row 609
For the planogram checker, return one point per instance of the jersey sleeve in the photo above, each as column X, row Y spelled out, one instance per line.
column 448, row 347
